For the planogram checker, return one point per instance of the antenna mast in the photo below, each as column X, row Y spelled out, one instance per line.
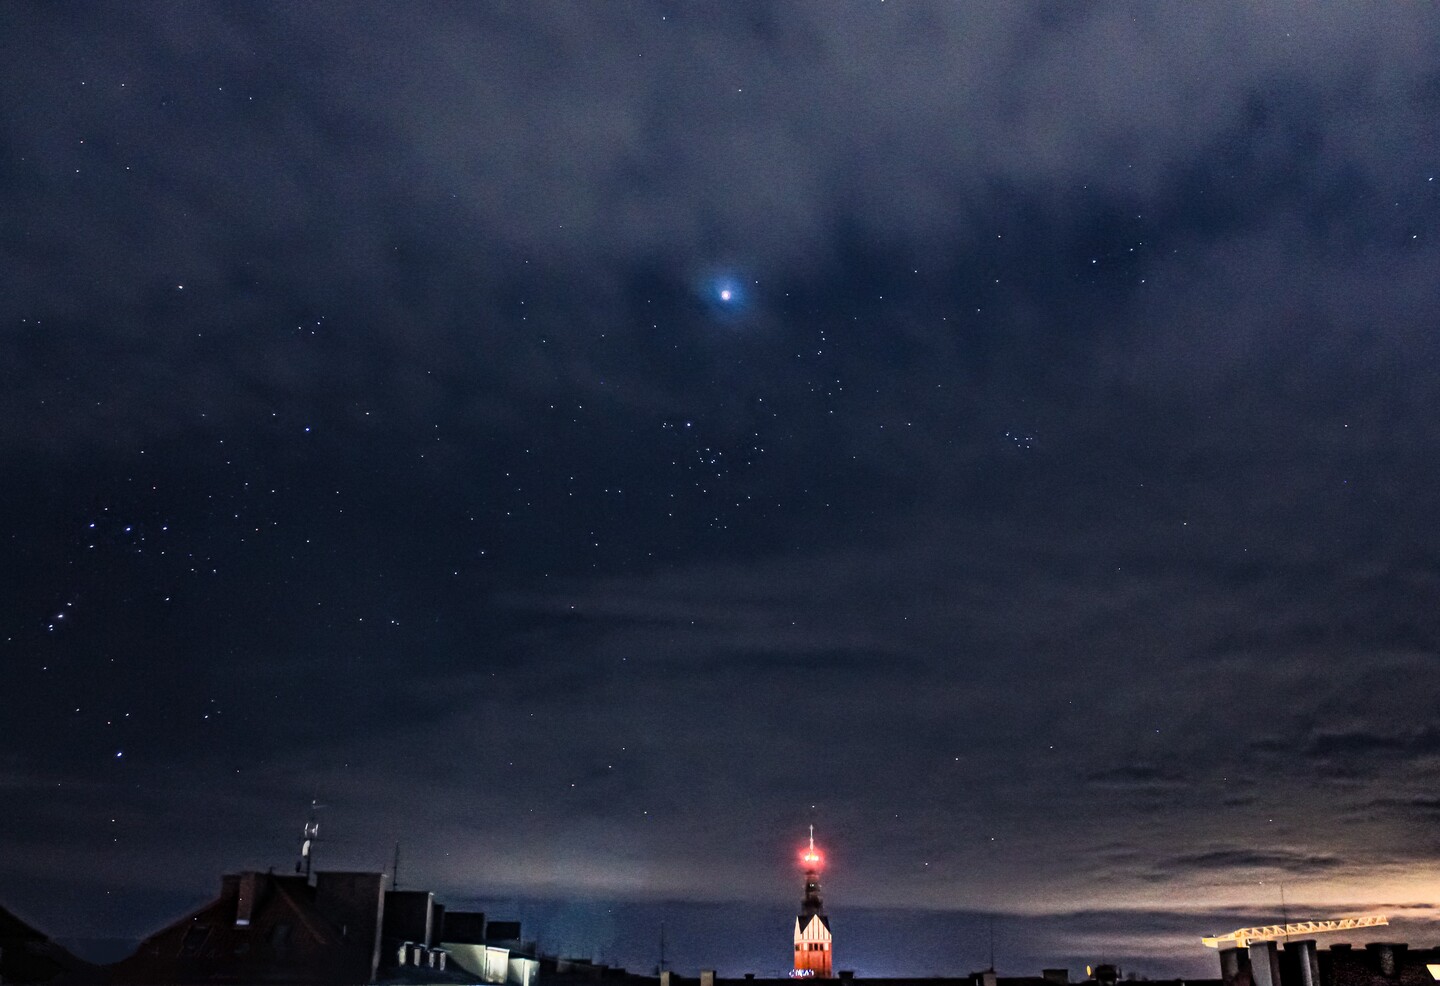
column 309, row 835
column 395, row 870
column 992, row 943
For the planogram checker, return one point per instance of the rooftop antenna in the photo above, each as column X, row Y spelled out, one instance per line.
column 1284, row 914
column 661, row 967
column 395, row 870
column 309, row 835
column 992, row 942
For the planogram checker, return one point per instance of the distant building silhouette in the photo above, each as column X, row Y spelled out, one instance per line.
column 1300, row 963
column 342, row 928
column 346, row 928
column 264, row 928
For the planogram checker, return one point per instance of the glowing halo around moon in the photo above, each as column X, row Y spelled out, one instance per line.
column 723, row 292
column 727, row 291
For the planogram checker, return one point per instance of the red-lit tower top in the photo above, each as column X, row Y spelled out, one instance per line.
column 812, row 928
column 813, row 863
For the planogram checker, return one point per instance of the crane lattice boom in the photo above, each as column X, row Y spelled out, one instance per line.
column 1270, row 932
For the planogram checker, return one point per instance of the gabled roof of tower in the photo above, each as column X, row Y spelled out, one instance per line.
column 803, row 922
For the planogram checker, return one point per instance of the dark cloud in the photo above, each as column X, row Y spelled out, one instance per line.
column 1236, row 857
column 1415, row 742
column 1136, row 777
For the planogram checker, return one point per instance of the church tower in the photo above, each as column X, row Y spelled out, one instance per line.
column 812, row 927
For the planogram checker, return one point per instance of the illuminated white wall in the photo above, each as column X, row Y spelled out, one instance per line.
column 471, row 958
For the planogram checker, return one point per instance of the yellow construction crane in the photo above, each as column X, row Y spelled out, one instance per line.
column 1271, row 932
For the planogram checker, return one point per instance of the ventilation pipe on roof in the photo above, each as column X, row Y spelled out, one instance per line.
column 1307, row 962
column 1384, row 954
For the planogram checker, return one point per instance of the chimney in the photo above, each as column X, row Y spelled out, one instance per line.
column 1265, row 964
column 707, row 977
column 1233, row 962
column 356, row 903
column 1384, row 956
column 245, row 898
column 1305, row 963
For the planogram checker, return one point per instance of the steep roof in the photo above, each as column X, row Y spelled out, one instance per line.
column 13, row 930
column 803, row 927
column 287, row 940
column 29, row 956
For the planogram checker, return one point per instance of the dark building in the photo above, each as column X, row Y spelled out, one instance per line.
column 342, row 928
column 28, row 956
column 467, row 927
column 502, row 931
column 264, row 928
column 409, row 923
column 1301, row 963
column 1052, row 977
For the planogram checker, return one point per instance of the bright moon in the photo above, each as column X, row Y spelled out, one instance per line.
column 723, row 291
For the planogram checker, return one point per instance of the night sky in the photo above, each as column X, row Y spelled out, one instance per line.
column 589, row 443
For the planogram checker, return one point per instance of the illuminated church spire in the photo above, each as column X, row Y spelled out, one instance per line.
column 812, row 927
column 812, row 904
